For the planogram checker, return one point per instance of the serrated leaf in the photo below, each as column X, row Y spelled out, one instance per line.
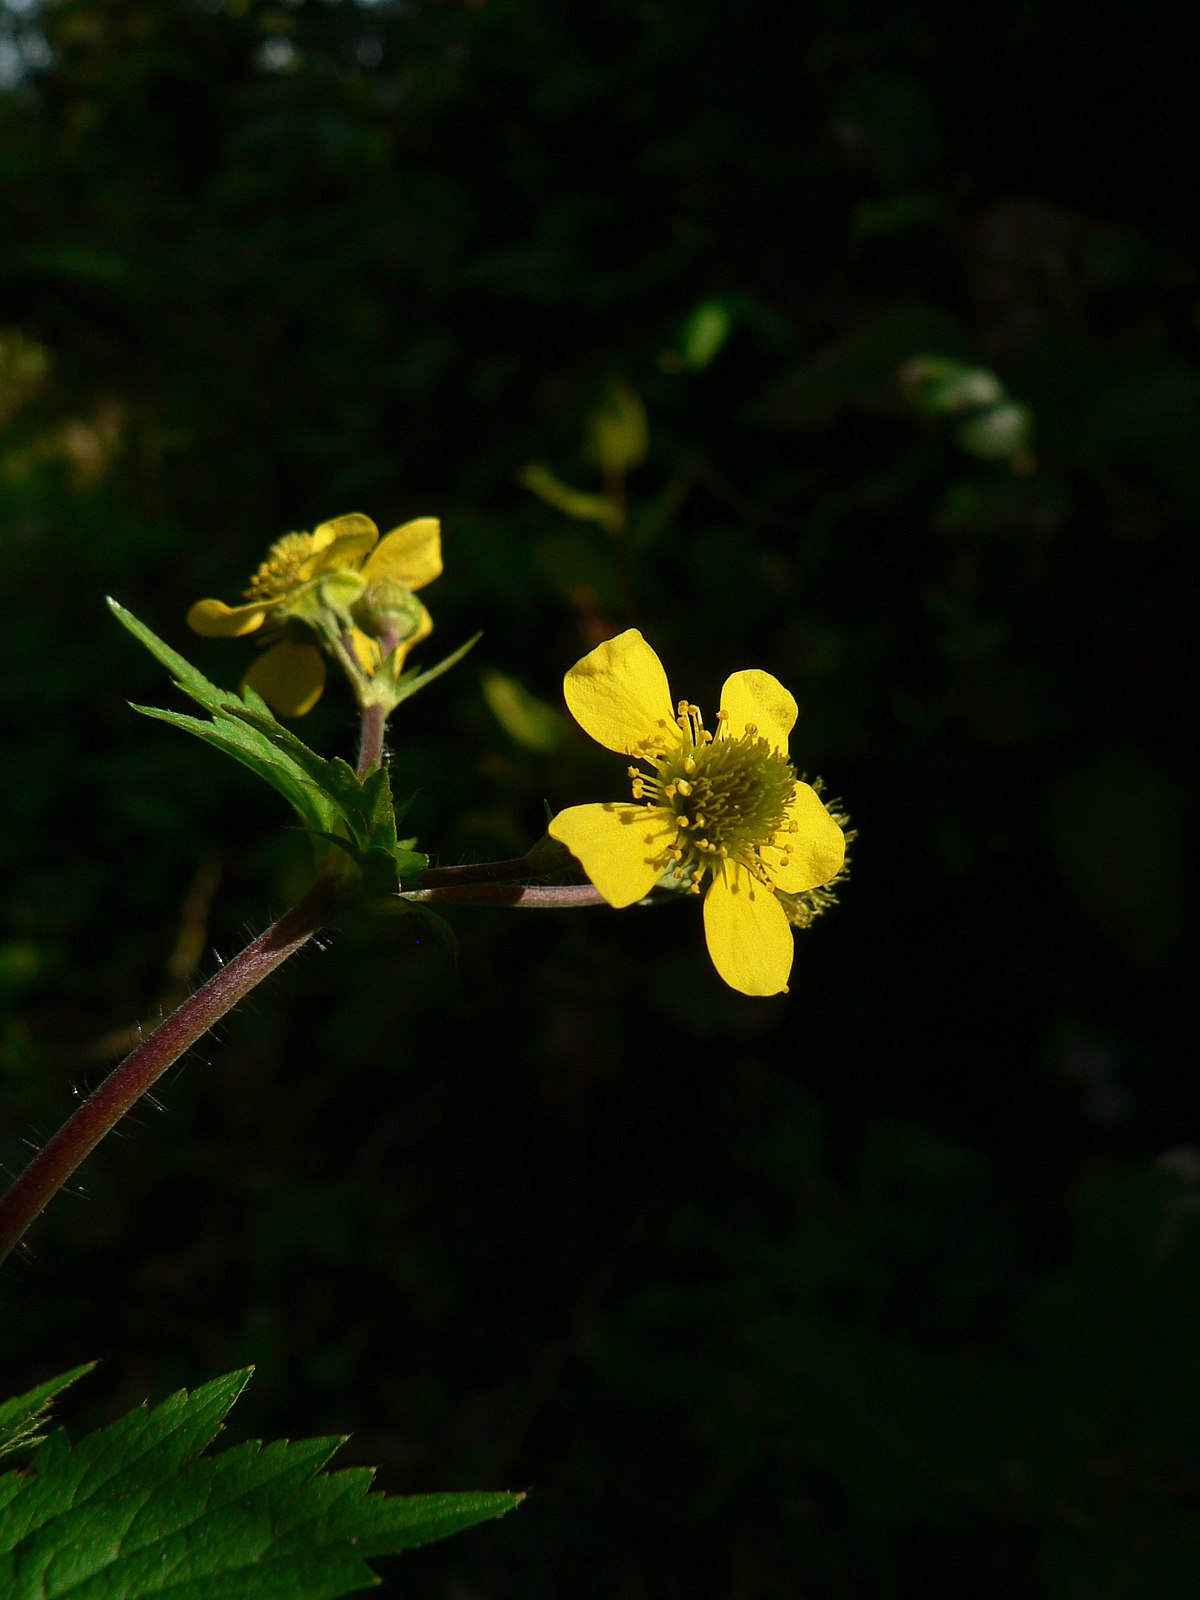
column 329, row 798
column 314, row 808
column 21, row 1417
column 136, row 1510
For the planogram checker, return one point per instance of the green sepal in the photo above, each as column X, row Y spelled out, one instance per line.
column 408, row 683
column 335, row 806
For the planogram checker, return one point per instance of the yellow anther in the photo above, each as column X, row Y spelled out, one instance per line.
column 689, row 765
column 682, row 786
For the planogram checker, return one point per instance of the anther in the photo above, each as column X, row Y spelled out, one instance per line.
column 689, row 765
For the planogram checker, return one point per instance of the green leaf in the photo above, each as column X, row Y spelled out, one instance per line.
column 576, row 503
column 136, row 1509
column 410, row 682
column 21, row 1417
column 329, row 798
column 522, row 715
column 705, row 331
column 314, row 808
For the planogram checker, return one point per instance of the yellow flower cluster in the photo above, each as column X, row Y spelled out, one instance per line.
column 720, row 813
column 331, row 580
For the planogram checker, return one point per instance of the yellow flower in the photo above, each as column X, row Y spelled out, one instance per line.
column 317, row 578
column 721, row 809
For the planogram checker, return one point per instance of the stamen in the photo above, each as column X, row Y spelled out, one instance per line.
column 283, row 568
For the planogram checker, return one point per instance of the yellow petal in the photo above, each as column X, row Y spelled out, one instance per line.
column 289, row 677
column 341, row 542
column 815, row 851
column 369, row 655
column 619, row 694
column 215, row 620
column 622, row 847
column 749, row 937
column 410, row 555
column 758, row 699
column 366, row 651
column 424, row 629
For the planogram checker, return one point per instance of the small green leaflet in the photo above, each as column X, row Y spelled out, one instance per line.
column 331, row 802
column 136, row 1509
column 21, row 1417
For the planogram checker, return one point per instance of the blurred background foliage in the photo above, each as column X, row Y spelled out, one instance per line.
column 889, row 1288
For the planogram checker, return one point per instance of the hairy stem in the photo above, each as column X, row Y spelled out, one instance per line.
column 547, row 896
column 141, row 1069
column 370, row 739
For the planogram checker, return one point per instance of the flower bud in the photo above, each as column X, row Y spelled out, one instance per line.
column 387, row 611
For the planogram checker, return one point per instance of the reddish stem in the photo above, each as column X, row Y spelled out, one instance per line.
column 127, row 1083
column 372, row 725
column 543, row 896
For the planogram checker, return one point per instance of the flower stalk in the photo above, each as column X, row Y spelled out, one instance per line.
column 372, row 726
column 58, row 1160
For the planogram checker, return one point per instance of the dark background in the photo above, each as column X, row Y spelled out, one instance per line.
column 889, row 1288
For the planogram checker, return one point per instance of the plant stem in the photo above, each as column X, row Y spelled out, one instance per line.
column 547, row 896
column 141, row 1069
column 370, row 739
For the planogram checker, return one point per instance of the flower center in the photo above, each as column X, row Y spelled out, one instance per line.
column 285, row 567
column 727, row 795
